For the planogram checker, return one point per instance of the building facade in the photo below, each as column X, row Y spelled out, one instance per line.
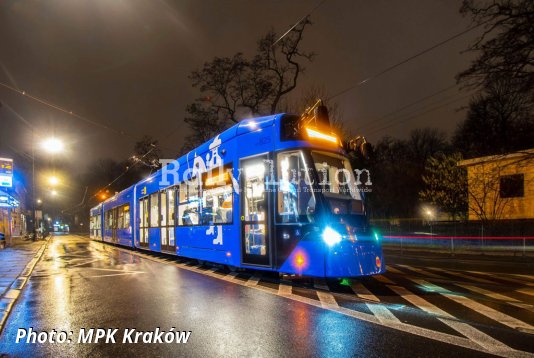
column 501, row 187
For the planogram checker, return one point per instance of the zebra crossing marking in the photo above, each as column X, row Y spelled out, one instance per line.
column 380, row 311
column 284, row 289
column 487, row 342
column 526, row 291
column 327, row 299
column 463, row 275
column 253, row 280
column 501, row 277
column 489, row 293
column 488, row 312
column 475, row 340
column 529, row 277
column 423, row 272
column 362, row 292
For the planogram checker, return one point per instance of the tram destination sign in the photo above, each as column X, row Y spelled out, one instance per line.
column 6, row 172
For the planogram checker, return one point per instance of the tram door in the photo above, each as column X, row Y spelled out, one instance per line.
column 114, row 224
column 255, row 233
column 167, row 205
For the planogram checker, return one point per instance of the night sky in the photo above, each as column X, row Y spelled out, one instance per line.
column 125, row 63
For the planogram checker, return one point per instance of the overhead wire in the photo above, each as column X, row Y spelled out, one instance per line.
column 299, row 21
column 411, row 104
column 63, row 110
column 408, row 59
column 397, row 121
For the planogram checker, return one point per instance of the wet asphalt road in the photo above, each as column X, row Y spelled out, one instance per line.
column 82, row 284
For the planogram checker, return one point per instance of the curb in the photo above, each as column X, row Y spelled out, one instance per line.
column 13, row 293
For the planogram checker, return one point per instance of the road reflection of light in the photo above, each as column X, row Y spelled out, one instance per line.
column 53, row 251
column 61, row 302
column 336, row 337
column 300, row 321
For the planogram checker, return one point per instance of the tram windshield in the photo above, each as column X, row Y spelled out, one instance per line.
column 337, row 183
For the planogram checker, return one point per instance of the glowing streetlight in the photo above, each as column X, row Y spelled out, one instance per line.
column 39, row 201
column 53, row 192
column 52, row 145
column 53, row 180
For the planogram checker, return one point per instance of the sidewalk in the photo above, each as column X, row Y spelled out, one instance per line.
column 16, row 265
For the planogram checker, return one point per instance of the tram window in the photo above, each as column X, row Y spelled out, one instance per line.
column 335, row 174
column 120, row 218
column 171, row 205
column 143, row 213
column 163, row 208
column 188, row 210
column 109, row 219
column 154, row 210
column 126, row 219
column 217, row 196
column 296, row 202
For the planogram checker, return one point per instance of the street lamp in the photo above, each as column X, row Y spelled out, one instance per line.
column 39, row 201
column 53, row 180
column 53, row 192
column 52, row 145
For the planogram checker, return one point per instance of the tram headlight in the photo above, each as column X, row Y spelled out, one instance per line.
column 331, row 236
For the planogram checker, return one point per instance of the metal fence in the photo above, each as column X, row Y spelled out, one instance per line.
column 514, row 238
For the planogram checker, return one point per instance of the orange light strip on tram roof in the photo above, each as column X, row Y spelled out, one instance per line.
column 312, row 133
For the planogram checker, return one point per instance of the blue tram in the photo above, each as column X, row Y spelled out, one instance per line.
column 274, row 193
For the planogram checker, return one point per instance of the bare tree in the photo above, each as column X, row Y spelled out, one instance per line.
column 147, row 152
column 499, row 120
column 235, row 87
column 506, row 46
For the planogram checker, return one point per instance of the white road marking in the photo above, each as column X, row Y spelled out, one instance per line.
column 326, row 299
column 530, row 277
column 253, row 280
column 488, row 311
column 230, row 277
column 423, row 272
column 497, row 349
column 485, row 341
column 381, row 312
column 459, row 274
column 113, row 270
column 362, row 292
column 284, row 289
column 526, row 291
column 114, row 274
column 502, row 277
column 84, row 263
column 488, row 293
